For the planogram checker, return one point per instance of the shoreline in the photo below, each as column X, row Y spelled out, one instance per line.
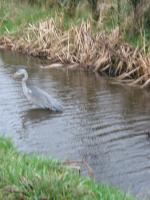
column 80, row 46
column 34, row 177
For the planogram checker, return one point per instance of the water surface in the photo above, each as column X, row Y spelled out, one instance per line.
column 103, row 123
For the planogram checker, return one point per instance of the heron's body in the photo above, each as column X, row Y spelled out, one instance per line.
column 37, row 96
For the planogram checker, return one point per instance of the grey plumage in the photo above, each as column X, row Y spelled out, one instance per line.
column 36, row 95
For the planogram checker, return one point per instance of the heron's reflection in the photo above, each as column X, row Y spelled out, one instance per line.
column 38, row 115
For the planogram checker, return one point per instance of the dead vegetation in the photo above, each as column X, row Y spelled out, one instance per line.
column 81, row 46
column 78, row 165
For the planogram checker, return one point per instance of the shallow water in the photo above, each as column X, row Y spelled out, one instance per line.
column 103, row 123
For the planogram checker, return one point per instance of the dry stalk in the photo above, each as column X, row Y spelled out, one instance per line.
column 147, row 83
column 125, row 75
column 76, row 165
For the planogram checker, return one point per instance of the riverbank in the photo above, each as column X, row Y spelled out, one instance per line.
column 33, row 177
column 75, row 42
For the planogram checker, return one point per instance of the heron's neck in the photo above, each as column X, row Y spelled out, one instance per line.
column 25, row 77
column 24, row 86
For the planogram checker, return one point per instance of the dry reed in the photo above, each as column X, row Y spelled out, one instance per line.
column 80, row 46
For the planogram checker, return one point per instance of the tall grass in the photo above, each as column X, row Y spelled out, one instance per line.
column 16, row 15
column 32, row 177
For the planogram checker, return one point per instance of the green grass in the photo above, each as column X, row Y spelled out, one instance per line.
column 14, row 16
column 32, row 177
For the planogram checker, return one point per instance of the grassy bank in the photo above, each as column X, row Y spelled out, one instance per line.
column 32, row 177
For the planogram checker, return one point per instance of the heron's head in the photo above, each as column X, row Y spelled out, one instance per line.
column 20, row 73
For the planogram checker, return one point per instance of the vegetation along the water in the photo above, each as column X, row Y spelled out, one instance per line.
column 109, row 37
column 32, row 177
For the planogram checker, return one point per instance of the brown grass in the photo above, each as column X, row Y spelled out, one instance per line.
column 80, row 46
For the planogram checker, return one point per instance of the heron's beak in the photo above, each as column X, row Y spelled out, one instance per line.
column 16, row 75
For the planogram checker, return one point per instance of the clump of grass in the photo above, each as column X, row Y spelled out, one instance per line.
column 32, row 177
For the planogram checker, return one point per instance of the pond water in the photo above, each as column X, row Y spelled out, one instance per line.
column 103, row 123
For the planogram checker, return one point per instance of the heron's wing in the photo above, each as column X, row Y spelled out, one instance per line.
column 43, row 99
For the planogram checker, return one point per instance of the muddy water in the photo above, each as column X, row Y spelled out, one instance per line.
column 105, row 124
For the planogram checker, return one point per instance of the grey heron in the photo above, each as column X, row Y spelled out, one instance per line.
column 37, row 96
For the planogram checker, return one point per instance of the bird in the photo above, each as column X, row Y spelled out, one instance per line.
column 37, row 96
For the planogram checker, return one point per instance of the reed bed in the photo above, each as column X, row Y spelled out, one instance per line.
column 81, row 46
